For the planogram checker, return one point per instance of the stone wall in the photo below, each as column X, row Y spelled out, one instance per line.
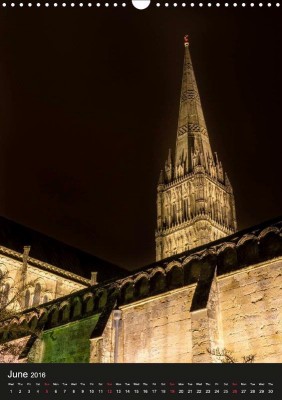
column 67, row 343
column 242, row 315
column 158, row 329
column 224, row 296
column 251, row 311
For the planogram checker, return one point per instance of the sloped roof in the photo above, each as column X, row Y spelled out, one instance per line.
column 233, row 238
column 261, row 243
column 14, row 237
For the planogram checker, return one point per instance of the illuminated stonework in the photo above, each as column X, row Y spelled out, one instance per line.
column 32, row 282
column 195, row 202
column 226, row 295
column 36, row 269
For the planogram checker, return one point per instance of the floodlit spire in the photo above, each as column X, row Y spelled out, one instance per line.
column 195, row 201
column 192, row 136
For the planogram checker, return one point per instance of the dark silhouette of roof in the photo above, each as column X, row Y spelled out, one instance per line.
column 46, row 249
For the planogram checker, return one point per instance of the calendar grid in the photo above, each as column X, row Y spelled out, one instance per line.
column 141, row 381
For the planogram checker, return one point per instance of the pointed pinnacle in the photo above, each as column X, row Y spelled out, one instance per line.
column 186, row 41
column 161, row 178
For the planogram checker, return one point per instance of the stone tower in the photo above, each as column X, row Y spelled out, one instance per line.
column 195, row 202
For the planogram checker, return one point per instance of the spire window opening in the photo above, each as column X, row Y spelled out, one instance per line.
column 174, row 213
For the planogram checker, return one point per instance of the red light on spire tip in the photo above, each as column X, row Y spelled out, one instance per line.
column 186, row 40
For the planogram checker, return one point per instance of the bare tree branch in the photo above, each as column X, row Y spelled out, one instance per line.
column 14, row 337
column 226, row 356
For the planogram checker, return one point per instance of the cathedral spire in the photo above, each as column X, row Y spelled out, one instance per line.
column 195, row 201
column 192, row 138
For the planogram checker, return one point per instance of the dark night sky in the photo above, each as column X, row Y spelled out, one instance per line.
column 88, row 109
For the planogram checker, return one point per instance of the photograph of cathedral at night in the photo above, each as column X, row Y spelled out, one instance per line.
column 212, row 294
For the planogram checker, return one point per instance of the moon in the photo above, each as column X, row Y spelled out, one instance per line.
column 141, row 4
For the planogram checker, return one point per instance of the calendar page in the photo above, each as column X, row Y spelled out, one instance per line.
column 140, row 199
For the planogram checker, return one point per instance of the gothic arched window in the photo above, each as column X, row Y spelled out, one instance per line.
column 45, row 298
column 27, row 299
column 5, row 294
column 36, row 296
